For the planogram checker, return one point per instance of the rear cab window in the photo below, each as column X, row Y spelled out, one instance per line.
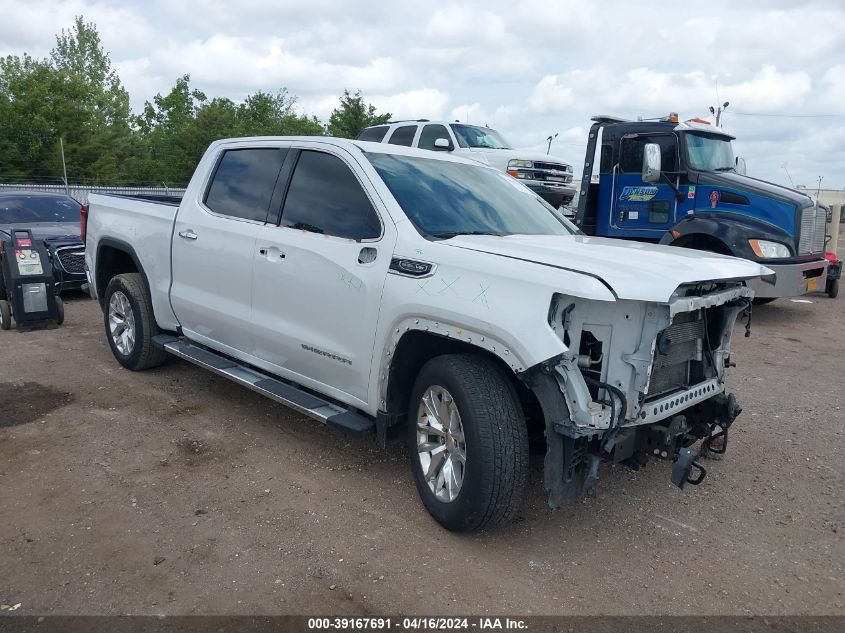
column 403, row 135
column 243, row 182
column 325, row 197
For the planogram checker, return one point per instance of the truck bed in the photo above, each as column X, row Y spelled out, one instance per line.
column 147, row 228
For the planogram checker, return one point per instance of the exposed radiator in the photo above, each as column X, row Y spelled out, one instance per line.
column 678, row 346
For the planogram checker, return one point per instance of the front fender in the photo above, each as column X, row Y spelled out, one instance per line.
column 733, row 232
column 449, row 330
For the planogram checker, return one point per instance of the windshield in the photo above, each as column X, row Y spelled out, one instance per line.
column 443, row 199
column 23, row 209
column 471, row 136
column 710, row 153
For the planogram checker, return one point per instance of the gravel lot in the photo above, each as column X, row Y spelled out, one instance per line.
column 175, row 492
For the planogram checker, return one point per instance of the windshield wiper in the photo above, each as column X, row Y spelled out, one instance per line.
column 724, row 169
column 445, row 235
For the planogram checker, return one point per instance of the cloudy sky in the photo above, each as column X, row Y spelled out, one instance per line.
column 529, row 69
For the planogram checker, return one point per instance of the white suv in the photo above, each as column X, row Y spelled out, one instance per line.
column 548, row 176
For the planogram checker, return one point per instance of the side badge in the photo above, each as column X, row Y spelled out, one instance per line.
column 410, row 267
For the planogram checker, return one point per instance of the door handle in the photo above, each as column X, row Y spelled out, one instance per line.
column 270, row 252
column 188, row 235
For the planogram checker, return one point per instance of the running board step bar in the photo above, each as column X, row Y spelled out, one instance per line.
column 285, row 393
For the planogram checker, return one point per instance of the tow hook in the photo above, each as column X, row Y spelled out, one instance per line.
column 685, row 462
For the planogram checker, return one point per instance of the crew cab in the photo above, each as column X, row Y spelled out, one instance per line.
column 547, row 176
column 396, row 292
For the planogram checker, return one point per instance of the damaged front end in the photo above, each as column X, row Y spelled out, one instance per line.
column 638, row 380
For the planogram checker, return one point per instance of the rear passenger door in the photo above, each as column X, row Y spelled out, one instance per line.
column 213, row 246
column 403, row 135
column 319, row 275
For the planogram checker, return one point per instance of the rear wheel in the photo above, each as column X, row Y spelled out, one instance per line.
column 5, row 315
column 832, row 288
column 468, row 443
column 130, row 324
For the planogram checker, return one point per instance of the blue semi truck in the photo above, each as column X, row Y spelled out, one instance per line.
column 678, row 183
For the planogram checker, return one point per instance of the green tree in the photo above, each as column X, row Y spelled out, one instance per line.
column 27, row 130
column 168, row 150
column 353, row 115
column 73, row 95
column 267, row 114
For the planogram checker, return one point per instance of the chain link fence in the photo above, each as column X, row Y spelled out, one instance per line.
column 81, row 192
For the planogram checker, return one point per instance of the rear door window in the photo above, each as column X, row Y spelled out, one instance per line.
column 243, row 182
column 374, row 134
column 403, row 135
column 325, row 197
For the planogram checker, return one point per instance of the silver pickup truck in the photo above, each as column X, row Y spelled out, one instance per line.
column 397, row 292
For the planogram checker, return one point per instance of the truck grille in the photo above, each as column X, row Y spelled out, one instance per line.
column 813, row 225
column 72, row 259
column 679, row 345
column 552, row 171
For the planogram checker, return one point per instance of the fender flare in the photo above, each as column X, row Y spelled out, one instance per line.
column 447, row 330
column 124, row 247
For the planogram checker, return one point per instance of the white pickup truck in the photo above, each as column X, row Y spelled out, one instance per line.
column 393, row 291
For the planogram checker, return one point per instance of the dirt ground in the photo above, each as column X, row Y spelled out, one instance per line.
column 176, row 492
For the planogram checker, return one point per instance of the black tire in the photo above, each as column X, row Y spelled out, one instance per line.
column 60, row 311
column 496, row 467
column 5, row 315
column 764, row 300
column 142, row 354
column 832, row 288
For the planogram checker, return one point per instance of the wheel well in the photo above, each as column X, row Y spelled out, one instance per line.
column 702, row 242
column 416, row 348
column 112, row 261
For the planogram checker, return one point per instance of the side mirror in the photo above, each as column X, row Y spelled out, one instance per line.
column 651, row 162
column 740, row 166
column 442, row 144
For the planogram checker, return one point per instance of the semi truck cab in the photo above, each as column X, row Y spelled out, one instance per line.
column 695, row 194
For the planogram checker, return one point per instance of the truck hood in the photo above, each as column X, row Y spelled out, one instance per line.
column 633, row 270
column 754, row 185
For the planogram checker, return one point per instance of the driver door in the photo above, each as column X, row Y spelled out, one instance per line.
column 644, row 209
column 318, row 276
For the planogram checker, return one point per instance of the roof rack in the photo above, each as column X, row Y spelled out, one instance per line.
column 406, row 121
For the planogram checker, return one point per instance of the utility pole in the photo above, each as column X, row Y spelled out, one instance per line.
column 784, row 167
column 718, row 112
column 64, row 167
column 550, row 139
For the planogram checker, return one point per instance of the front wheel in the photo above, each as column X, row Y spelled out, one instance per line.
column 130, row 324
column 468, row 442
